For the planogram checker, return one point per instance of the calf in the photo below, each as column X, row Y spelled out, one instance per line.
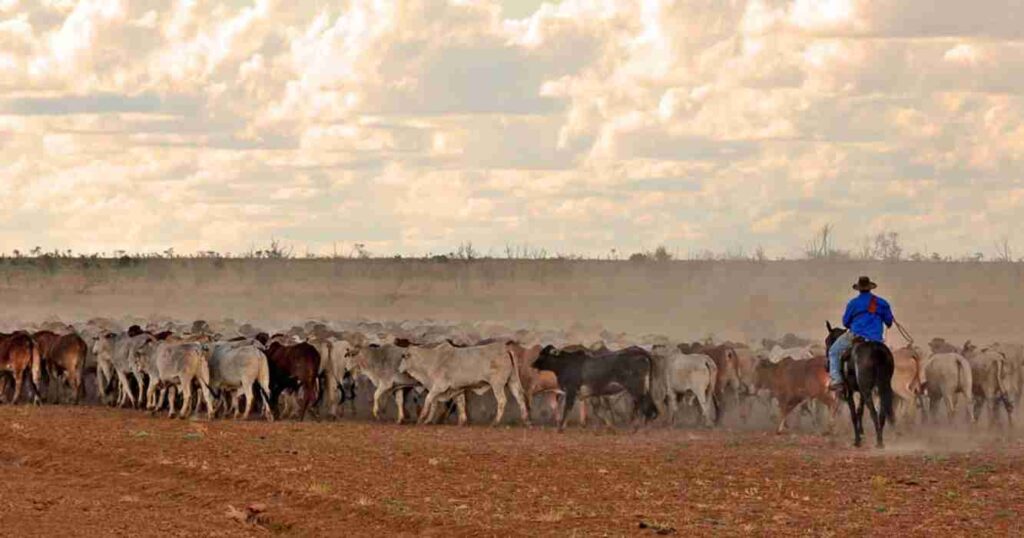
column 585, row 374
column 19, row 355
column 794, row 382
column 293, row 367
column 63, row 358
column 448, row 372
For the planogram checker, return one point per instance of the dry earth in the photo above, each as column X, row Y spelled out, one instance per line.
column 76, row 471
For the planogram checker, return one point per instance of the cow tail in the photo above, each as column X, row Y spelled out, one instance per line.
column 319, row 385
column 1000, row 369
column 713, row 378
column 515, row 383
column 36, row 367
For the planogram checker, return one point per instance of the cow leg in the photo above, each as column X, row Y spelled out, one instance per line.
column 979, row 402
column 168, row 393
column 378, row 395
column 400, row 404
column 785, row 408
column 140, row 380
column 308, row 403
column 428, row 405
column 17, row 386
column 186, row 396
column 521, row 400
column 460, row 404
column 126, row 394
column 553, row 402
column 247, row 392
column 151, row 395
column 502, row 401
column 672, row 407
column 567, row 402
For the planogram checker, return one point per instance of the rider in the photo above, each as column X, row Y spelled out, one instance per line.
column 864, row 317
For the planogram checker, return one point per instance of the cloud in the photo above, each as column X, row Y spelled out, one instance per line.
column 574, row 126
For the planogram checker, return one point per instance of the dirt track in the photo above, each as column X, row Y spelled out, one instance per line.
column 89, row 471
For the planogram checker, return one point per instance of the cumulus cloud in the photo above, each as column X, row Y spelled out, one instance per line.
column 576, row 126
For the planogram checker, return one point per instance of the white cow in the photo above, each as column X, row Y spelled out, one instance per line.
column 676, row 374
column 448, row 371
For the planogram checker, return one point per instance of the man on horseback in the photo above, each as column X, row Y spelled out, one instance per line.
column 866, row 317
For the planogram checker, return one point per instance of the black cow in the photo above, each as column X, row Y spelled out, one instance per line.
column 585, row 373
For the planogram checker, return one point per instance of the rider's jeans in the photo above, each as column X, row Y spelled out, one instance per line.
column 835, row 354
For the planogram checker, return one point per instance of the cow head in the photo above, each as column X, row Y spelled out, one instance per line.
column 548, row 358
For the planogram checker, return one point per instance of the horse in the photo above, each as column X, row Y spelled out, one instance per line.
column 870, row 366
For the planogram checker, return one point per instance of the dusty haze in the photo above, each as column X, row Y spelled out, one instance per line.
column 681, row 299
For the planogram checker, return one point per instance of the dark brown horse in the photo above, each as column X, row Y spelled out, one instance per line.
column 870, row 366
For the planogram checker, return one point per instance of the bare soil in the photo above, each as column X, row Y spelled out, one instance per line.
column 76, row 471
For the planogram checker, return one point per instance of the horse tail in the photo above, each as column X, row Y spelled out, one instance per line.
column 884, row 383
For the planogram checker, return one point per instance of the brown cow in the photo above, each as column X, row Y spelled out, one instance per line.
column 794, row 382
column 63, row 356
column 294, row 367
column 20, row 356
column 535, row 381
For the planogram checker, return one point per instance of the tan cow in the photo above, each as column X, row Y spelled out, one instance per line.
column 906, row 379
column 534, row 381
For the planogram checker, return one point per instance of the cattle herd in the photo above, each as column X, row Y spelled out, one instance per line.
column 437, row 370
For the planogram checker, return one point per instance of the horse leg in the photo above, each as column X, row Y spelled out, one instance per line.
column 854, row 417
column 878, row 420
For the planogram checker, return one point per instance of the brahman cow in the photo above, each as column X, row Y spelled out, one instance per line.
column 235, row 367
column 448, row 371
column 946, row 376
column 534, row 381
column 63, row 359
column 380, row 364
column 677, row 374
column 19, row 356
column 294, row 367
column 171, row 365
column 991, row 377
column 584, row 374
column 795, row 382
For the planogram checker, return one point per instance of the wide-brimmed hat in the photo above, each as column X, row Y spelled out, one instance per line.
column 864, row 284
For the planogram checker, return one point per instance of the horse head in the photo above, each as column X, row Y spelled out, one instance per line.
column 833, row 334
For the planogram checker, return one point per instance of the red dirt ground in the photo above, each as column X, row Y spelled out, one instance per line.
column 76, row 471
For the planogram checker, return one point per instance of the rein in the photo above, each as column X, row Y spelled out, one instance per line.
column 904, row 333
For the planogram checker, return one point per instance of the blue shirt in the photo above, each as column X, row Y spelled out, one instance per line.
column 862, row 321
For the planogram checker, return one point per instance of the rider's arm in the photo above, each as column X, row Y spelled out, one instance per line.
column 885, row 311
column 848, row 315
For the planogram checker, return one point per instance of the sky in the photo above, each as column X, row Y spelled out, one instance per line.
column 579, row 126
